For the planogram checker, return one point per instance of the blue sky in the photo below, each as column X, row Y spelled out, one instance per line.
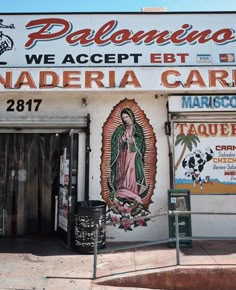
column 114, row 5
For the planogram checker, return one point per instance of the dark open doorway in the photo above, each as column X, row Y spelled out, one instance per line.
column 29, row 182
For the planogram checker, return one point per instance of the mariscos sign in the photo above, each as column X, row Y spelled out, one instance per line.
column 117, row 40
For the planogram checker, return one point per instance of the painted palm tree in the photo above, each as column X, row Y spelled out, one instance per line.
column 188, row 141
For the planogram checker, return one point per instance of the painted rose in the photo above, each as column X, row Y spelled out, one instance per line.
column 126, row 223
column 140, row 222
column 115, row 219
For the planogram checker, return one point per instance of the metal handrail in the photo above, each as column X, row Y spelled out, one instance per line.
column 177, row 238
column 200, row 212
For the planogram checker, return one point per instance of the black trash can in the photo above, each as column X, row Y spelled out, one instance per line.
column 89, row 213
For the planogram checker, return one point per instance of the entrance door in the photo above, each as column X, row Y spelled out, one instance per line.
column 67, row 185
column 29, row 181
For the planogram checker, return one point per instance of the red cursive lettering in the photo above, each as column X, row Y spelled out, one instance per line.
column 44, row 33
column 55, row 28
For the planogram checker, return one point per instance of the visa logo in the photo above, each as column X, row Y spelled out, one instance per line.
column 205, row 58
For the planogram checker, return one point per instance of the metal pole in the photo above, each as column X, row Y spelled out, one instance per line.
column 3, row 221
column 56, row 213
column 95, row 251
column 177, row 237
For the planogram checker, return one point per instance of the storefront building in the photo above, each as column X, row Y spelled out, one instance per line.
column 119, row 108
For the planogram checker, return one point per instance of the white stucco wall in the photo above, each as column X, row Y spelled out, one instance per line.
column 99, row 106
column 214, row 225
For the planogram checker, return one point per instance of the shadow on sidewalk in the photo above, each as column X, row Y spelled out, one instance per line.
column 50, row 246
column 211, row 248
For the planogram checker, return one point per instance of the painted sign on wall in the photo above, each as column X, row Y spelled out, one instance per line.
column 128, row 167
column 205, row 157
column 177, row 79
column 201, row 103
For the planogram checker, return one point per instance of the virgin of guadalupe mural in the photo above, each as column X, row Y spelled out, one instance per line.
column 128, row 165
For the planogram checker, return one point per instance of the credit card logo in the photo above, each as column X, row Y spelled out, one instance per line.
column 227, row 57
column 203, row 58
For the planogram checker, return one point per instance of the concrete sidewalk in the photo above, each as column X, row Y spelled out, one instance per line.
column 46, row 264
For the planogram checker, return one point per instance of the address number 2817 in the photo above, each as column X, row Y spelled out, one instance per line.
column 23, row 105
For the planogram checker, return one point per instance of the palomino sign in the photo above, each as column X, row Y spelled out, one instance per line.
column 117, row 40
column 108, row 33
